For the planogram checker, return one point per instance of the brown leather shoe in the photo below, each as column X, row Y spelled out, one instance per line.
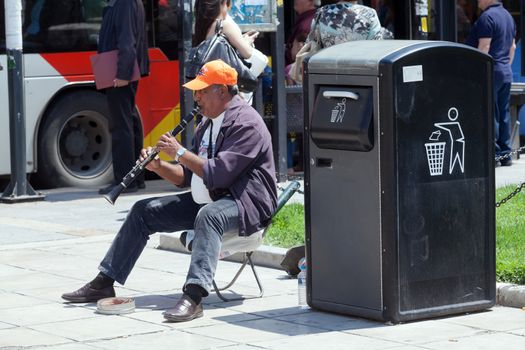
column 87, row 294
column 184, row 310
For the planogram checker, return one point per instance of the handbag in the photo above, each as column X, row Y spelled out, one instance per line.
column 310, row 47
column 218, row 47
column 296, row 71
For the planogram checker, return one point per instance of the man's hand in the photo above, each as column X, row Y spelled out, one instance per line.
column 120, row 83
column 168, row 144
column 154, row 164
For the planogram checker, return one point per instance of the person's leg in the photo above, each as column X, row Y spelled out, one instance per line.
column 164, row 214
column 212, row 221
column 504, row 122
column 138, row 134
column 160, row 214
column 495, row 91
column 121, row 103
column 290, row 152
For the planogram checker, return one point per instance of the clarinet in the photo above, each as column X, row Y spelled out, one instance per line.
column 139, row 166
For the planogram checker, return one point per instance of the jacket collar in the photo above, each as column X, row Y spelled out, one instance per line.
column 232, row 110
column 231, row 114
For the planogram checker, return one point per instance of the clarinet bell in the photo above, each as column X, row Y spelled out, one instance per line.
column 112, row 196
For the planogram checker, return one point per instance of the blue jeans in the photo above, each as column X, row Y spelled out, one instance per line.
column 502, row 127
column 168, row 214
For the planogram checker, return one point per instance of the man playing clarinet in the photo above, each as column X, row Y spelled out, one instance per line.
column 231, row 172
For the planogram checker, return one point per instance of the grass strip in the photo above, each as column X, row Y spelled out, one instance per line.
column 287, row 231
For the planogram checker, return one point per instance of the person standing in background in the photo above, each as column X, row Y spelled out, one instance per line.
column 213, row 14
column 123, row 29
column 305, row 10
column 494, row 33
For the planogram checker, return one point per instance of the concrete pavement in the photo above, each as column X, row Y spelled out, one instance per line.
column 54, row 246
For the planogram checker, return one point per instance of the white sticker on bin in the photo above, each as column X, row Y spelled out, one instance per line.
column 412, row 73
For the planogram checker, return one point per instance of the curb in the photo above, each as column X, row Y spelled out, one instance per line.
column 511, row 295
column 264, row 256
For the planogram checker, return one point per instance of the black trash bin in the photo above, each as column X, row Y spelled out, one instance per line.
column 399, row 180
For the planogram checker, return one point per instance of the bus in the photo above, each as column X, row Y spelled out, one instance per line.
column 67, row 120
column 67, row 132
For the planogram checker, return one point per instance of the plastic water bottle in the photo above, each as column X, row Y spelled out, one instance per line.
column 301, row 284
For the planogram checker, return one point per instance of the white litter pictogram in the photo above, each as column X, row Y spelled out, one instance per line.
column 435, row 156
column 338, row 113
column 436, row 150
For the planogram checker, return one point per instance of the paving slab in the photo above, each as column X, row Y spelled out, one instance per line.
column 498, row 318
column 25, row 337
column 9, row 300
column 254, row 331
column 71, row 231
column 427, row 331
column 98, row 328
column 327, row 341
column 485, row 341
column 171, row 339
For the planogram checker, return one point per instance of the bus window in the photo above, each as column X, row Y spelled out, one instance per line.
column 61, row 25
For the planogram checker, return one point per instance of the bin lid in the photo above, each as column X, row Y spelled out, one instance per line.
column 363, row 57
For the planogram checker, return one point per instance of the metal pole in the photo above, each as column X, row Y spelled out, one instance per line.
column 186, row 96
column 18, row 190
column 279, row 98
column 522, row 33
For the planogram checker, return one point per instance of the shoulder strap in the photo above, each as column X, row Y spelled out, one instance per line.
column 218, row 27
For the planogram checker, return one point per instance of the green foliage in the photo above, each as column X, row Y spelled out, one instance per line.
column 510, row 237
column 287, row 229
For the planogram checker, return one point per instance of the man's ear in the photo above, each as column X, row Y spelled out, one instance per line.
column 224, row 91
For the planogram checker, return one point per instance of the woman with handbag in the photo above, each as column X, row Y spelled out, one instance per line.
column 208, row 13
column 213, row 14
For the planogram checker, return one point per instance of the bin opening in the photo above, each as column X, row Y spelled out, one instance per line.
column 342, row 118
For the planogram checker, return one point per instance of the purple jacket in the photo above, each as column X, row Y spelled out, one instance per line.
column 243, row 164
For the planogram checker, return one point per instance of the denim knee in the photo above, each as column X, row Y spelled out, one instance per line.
column 142, row 212
column 208, row 217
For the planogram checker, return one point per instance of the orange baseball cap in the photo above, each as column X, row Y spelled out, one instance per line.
column 213, row 72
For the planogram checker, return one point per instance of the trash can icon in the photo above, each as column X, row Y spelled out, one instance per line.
column 435, row 157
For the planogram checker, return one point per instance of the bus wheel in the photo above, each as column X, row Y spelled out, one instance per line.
column 74, row 143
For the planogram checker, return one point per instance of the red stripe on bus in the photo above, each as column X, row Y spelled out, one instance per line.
column 158, row 93
column 71, row 65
